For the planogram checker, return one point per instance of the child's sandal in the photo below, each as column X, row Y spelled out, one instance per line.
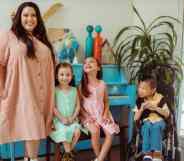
column 67, row 157
column 73, row 153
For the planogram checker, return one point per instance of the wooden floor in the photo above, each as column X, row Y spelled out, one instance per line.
column 88, row 155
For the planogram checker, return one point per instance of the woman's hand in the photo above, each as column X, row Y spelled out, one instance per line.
column 2, row 79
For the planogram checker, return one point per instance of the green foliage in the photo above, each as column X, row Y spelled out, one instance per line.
column 143, row 48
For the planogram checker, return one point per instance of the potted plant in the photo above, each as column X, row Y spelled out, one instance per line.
column 149, row 48
column 143, row 48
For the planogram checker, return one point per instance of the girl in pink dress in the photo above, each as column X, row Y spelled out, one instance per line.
column 95, row 113
column 26, row 80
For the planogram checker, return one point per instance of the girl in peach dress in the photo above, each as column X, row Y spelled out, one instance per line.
column 95, row 113
column 26, row 81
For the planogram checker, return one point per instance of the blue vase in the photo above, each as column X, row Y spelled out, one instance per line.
column 89, row 42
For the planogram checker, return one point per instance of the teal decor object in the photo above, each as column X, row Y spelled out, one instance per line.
column 98, row 28
column 89, row 42
column 67, row 48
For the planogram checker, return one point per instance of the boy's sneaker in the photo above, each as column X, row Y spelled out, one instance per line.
column 147, row 158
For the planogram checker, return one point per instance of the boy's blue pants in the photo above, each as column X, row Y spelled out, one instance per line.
column 152, row 134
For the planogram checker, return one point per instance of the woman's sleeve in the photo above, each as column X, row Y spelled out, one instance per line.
column 49, row 111
column 4, row 50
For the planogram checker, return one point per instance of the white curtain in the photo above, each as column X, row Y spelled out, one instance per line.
column 180, row 116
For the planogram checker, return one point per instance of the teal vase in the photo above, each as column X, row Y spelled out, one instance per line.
column 89, row 42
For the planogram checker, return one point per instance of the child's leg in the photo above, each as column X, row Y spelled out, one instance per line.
column 25, row 153
column 145, row 132
column 32, row 147
column 106, row 146
column 95, row 136
column 67, row 147
column 156, row 136
column 57, row 155
column 75, row 138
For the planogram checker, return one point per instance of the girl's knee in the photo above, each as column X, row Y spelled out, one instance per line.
column 77, row 132
column 95, row 133
column 67, row 146
column 94, row 130
column 108, row 135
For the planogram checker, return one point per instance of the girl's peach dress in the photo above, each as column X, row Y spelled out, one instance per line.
column 94, row 108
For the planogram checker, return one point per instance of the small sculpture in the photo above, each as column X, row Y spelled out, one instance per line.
column 67, row 48
column 98, row 44
column 89, row 42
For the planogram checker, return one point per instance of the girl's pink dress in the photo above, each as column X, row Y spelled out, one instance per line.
column 26, row 106
column 94, row 108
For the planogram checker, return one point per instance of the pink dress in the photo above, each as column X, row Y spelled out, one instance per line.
column 26, row 107
column 94, row 108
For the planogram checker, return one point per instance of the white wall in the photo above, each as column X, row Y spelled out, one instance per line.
column 150, row 9
column 77, row 14
column 111, row 14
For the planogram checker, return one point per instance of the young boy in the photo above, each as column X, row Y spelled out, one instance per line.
column 151, row 112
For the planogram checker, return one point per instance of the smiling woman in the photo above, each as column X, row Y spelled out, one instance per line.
column 26, row 80
column 29, row 19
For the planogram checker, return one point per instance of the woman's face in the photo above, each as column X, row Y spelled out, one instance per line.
column 29, row 19
column 90, row 65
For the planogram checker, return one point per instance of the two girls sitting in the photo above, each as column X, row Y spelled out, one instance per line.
column 91, row 100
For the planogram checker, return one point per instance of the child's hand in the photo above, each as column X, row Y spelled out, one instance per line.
column 107, row 120
column 149, row 106
column 53, row 127
column 106, row 115
column 70, row 119
column 64, row 120
column 143, row 106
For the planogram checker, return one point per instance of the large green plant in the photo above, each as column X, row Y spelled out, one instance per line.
column 149, row 48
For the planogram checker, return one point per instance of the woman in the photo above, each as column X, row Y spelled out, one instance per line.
column 26, row 80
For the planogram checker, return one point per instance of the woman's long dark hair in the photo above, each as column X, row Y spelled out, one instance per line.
column 84, row 82
column 39, row 32
column 64, row 65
